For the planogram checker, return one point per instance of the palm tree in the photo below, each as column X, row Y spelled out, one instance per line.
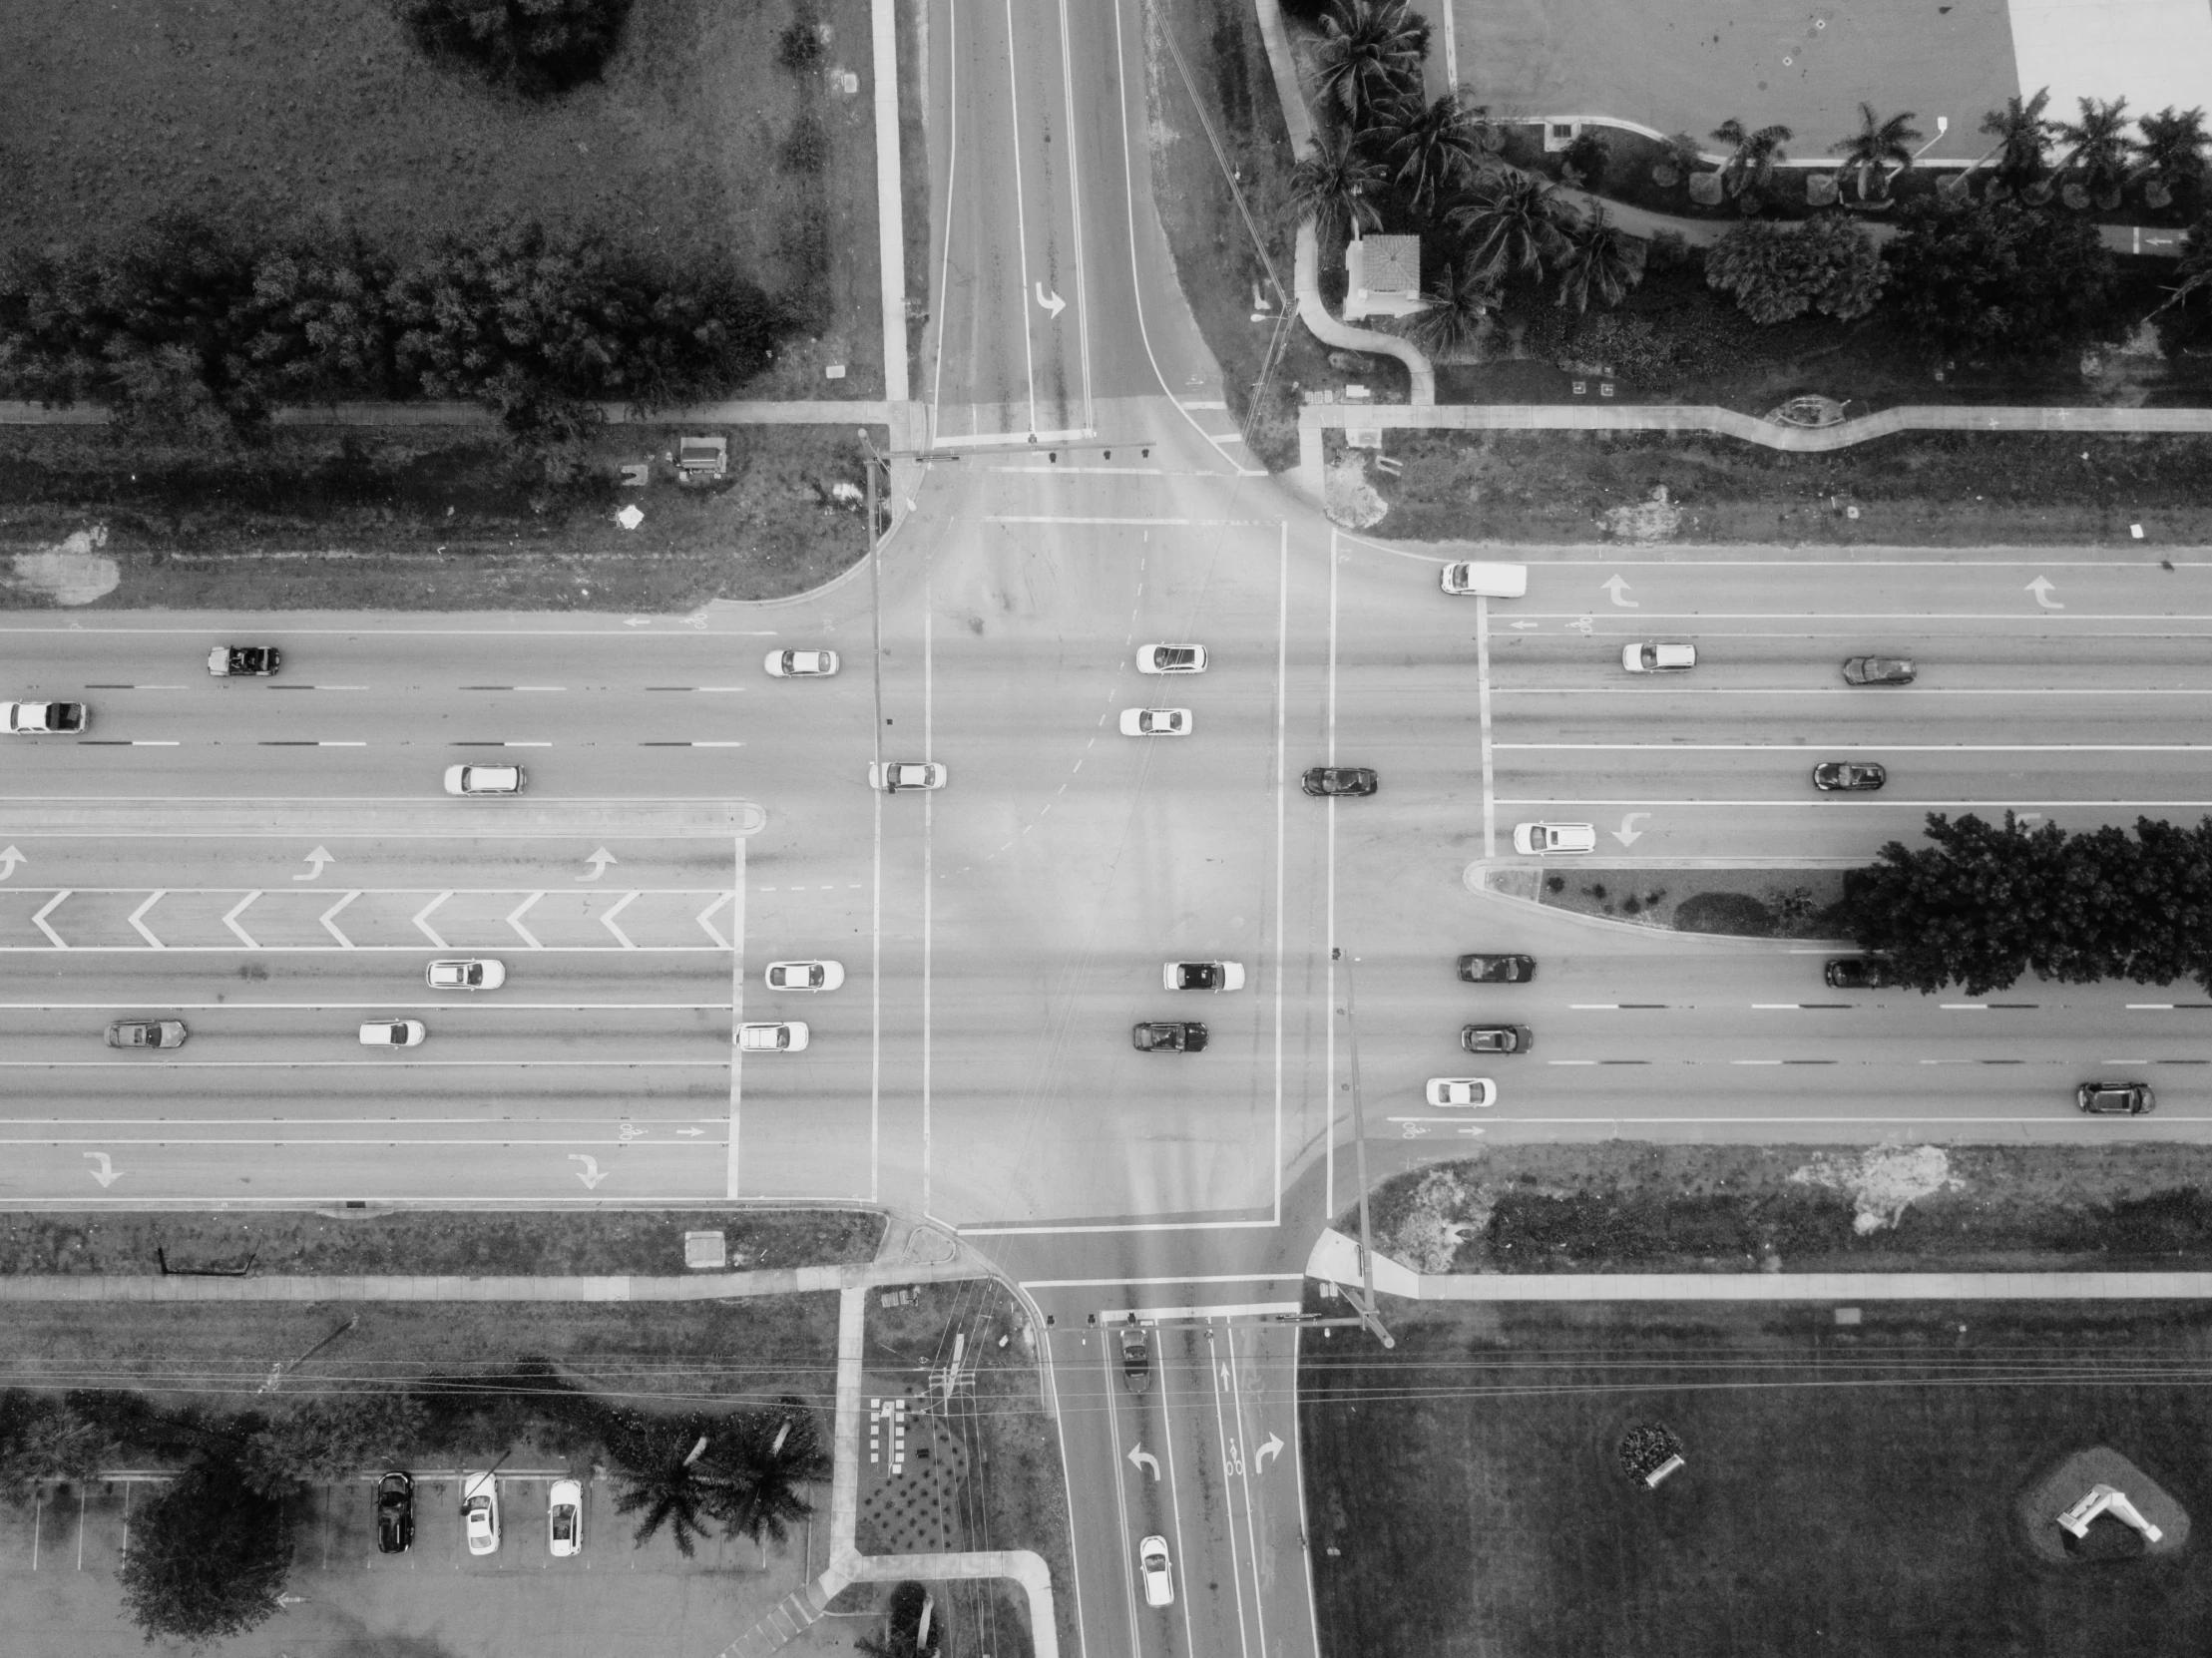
column 1370, row 55
column 2172, row 153
column 1460, row 304
column 1336, row 185
column 661, row 1474
column 763, row 1469
column 1877, row 145
column 1597, row 261
column 1750, row 164
column 1514, row 228
column 2022, row 140
column 2101, row 149
column 1429, row 145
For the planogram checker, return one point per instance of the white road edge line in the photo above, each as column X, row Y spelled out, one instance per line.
column 1074, row 193
column 1021, row 216
column 1481, row 695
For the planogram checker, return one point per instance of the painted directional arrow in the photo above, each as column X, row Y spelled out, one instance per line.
column 590, row 1173
column 1521, row 627
column 319, row 857
column 1628, row 834
column 688, row 1133
column 9, row 857
column 2043, row 590
column 1140, row 1458
column 106, row 1174
column 1616, row 587
column 598, row 862
column 1051, row 302
column 1272, row 1448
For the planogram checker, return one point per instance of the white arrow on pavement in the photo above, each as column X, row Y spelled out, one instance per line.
column 688, row 1133
column 1140, row 1458
column 319, row 857
column 1519, row 627
column 2043, row 590
column 589, row 1173
column 1628, row 834
column 598, row 862
column 1053, row 302
column 1616, row 587
column 9, row 857
column 1272, row 1448
column 106, row 1174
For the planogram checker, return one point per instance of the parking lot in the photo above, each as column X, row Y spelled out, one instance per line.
column 58, row 1597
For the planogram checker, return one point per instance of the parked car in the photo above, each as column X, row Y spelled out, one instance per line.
column 147, row 1032
column 1848, row 777
column 1860, row 972
column 467, row 973
column 1155, row 722
column 907, row 774
column 1136, row 1356
column 1330, row 780
column 44, row 719
column 395, row 1514
column 802, row 664
column 785, row 1036
column 1203, row 975
column 1169, row 1036
column 245, row 661
column 1659, row 658
column 1497, row 1038
column 483, row 779
column 1450, row 1091
column 393, row 1032
column 1539, row 839
column 1497, row 970
column 480, row 1511
column 2131, row 1100
column 1878, row 671
column 1159, row 1576
column 564, row 1518
column 804, row 976
column 1171, row 658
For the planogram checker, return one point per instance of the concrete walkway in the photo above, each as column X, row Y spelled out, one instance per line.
column 823, row 411
column 1335, row 1259
column 1327, row 329
column 890, row 205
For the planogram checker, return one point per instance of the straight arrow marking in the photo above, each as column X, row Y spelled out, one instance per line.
column 422, row 919
column 39, row 920
column 231, row 920
column 140, row 924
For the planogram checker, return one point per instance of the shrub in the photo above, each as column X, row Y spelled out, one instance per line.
column 322, row 1440
column 1585, row 158
column 538, row 48
column 806, row 147
column 44, row 1438
column 2004, row 278
column 800, row 46
column 1781, row 272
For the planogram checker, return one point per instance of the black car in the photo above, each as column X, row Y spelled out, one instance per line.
column 1498, row 970
column 1497, row 1038
column 1169, row 1036
column 252, row 661
column 395, row 1512
column 1878, row 671
column 2114, row 1098
column 1326, row 780
column 1848, row 776
column 1860, row 972
column 1137, row 1357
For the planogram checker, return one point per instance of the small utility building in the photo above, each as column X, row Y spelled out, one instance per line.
column 1385, row 278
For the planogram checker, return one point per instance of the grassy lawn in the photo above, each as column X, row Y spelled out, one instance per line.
column 431, row 1241
column 1847, row 1490
column 1625, row 1206
column 1743, row 903
column 432, row 518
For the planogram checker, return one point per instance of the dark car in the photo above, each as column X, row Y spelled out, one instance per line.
column 1848, row 777
column 2131, row 1099
column 1498, row 970
column 395, row 1514
column 252, row 661
column 1169, row 1036
column 1137, row 1357
column 1497, row 1038
column 1860, row 972
column 1878, row 671
column 1326, row 780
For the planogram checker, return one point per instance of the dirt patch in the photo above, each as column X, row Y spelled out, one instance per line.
column 1739, row 903
column 70, row 574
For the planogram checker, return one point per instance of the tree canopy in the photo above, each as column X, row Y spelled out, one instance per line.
column 2000, row 278
column 1779, row 271
column 209, row 1556
column 538, row 48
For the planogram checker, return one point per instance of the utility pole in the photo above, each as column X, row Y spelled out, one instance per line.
column 1362, row 1299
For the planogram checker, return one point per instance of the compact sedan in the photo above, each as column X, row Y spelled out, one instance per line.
column 1329, row 780
column 1878, row 671
column 1454, row 1091
column 38, row 719
column 2131, row 1099
column 483, row 779
column 1203, row 975
column 1169, row 1036
column 1497, row 1038
column 802, row 664
column 1171, row 658
column 1155, row 722
column 1539, row 839
column 1497, row 970
column 468, row 973
column 147, row 1032
column 804, row 976
column 1848, row 777
column 787, row 1036
column 395, row 1514
column 1659, row 659
column 393, row 1032
column 1159, row 1577
column 564, row 1518
column 1859, row 973
column 480, row 1511
column 907, row 774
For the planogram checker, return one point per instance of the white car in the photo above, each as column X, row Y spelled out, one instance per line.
column 38, row 719
column 469, row 975
column 790, row 1037
column 1159, row 1577
column 483, row 779
column 1203, row 975
column 1659, row 659
column 802, row 664
column 392, row 1032
column 1171, row 658
column 1462, row 1091
column 1539, row 838
column 1155, row 722
column 480, row 1511
column 564, row 1518
column 804, row 976
column 1481, row 581
column 911, row 774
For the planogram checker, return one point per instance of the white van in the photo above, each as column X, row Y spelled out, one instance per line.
column 1486, row 581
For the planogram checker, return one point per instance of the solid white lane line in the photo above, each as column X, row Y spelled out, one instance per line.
column 1885, row 746
column 1481, row 695
column 1282, row 788
column 1075, row 198
column 479, row 1004
column 1223, row 1441
column 1020, row 211
column 1328, row 1070
column 1181, row 1565
column 1856, row 692
column 353, row 1065
column 952, row 180
column 1245, row 1461
column 1120, row 1480
column 929, row 859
